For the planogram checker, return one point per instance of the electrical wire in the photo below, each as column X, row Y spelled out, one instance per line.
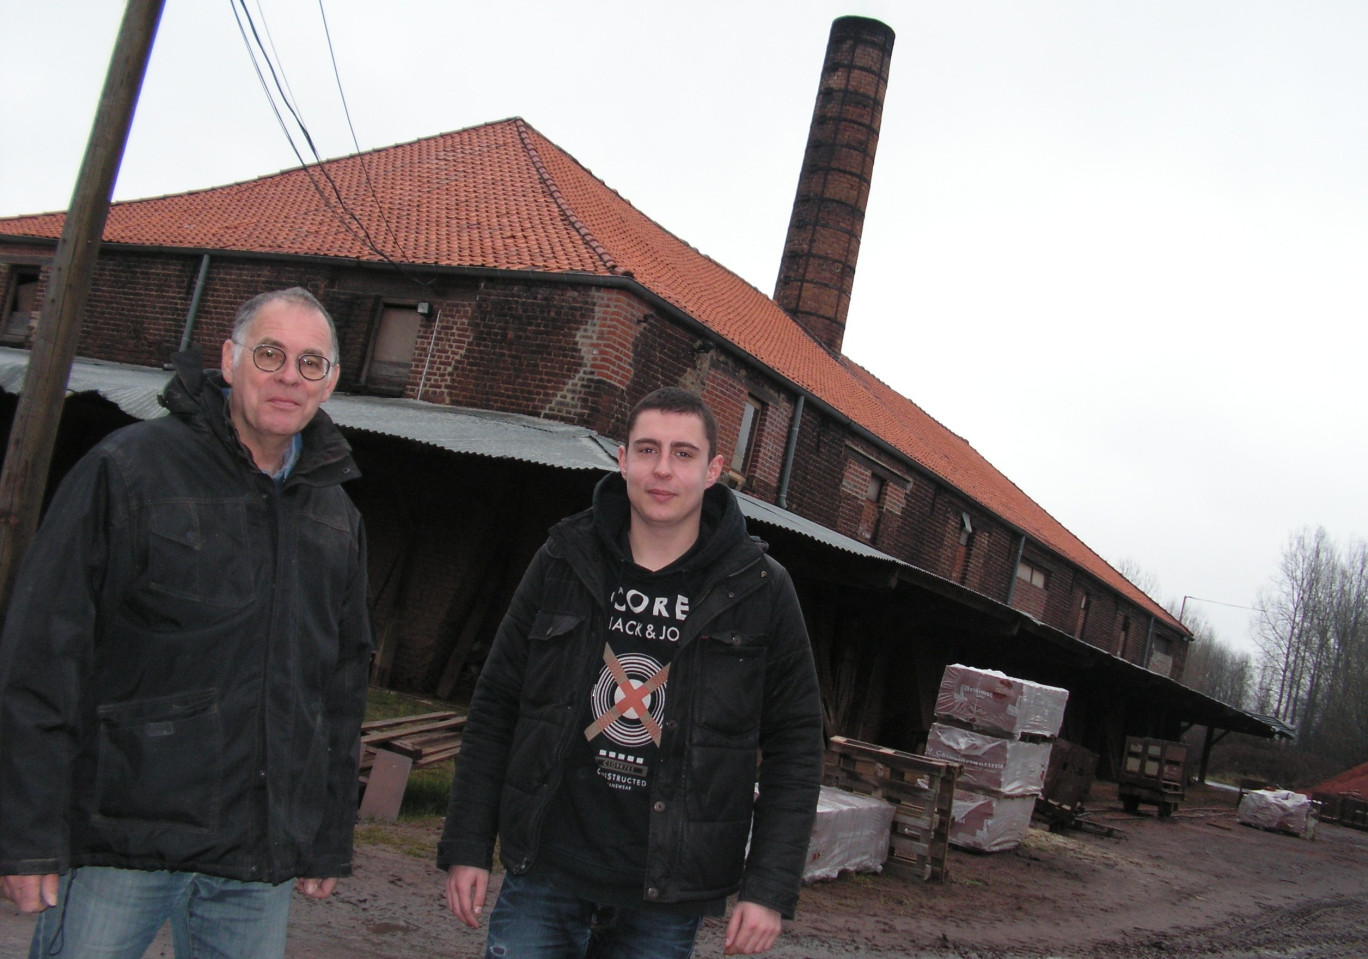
column 346, row 112
column 364, row 237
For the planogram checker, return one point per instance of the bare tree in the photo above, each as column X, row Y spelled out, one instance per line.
column 1313, row 639
column 1286, row 633
column 1141, row 578
column 1214, row 668
column 1339, row 726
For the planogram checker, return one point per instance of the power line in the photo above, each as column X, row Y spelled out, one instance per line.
column 364, row 237
column 346, row 112
column 1183, row 608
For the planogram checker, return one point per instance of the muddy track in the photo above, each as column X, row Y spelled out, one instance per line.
column 1195, row 885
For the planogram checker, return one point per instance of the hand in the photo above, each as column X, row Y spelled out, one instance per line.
column 465, row 893
column 31, row 893
column 316, row 888
column 752, row 930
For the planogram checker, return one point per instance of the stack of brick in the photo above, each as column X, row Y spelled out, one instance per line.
column 1000, row 730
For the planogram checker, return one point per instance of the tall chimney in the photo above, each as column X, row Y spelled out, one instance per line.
column 818, row 268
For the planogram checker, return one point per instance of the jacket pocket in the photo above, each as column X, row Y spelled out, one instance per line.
column 548, row 658
column 732, row 689
column 160, row 761
column 198, row 551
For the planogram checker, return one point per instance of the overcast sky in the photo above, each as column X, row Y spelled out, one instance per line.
column 1122, row 248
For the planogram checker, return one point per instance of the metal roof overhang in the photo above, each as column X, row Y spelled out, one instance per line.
column 1196, row 708
column 134, row 389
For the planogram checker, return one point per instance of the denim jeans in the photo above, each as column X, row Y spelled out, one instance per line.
column 105, row 913
column 532, row 920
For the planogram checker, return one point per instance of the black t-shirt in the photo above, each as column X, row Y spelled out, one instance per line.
column 595, row 834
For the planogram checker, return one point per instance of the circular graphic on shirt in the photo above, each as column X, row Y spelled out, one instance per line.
column 629, row 700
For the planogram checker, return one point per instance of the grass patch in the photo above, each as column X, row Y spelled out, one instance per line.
column 427, row 790
column 416, row 837
column 425, row 796
column 389, row 704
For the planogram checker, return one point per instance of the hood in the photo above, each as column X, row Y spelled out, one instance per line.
column 721, row 527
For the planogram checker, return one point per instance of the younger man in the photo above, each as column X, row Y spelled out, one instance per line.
column 650, row 652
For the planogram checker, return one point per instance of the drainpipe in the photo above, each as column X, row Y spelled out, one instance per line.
column 195, row 302
column 790, row 446
column 1016, row 564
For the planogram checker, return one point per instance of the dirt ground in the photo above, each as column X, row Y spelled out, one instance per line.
column 1195, row 884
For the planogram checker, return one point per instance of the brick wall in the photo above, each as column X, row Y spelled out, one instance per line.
column 584, row 354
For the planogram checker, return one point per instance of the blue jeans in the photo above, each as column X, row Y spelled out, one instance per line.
column 532, row 920
column 105, row 913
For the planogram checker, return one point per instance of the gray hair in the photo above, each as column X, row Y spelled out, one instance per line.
column 296, row 295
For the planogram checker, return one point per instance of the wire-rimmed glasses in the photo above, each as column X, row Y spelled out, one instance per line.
column 269, row 359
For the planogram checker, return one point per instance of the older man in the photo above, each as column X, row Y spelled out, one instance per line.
column 183, row 667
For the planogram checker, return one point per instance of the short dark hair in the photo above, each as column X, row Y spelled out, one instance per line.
column 673, row 399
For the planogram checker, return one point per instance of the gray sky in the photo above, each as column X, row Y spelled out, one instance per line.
column 1122, row 248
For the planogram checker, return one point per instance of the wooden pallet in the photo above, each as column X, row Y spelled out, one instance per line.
column 391, row 748
column 426, row 739
column 923, row 789
column 1349, row 811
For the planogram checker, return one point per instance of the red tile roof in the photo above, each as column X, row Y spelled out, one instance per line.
column 502, row 196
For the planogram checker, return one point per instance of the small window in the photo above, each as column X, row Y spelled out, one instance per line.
column 745, row 440
column 965, row 549
column 391, row 354
column 1033, row 576
column 21, row 302
column 875, row 489
column 872, row 508
column 1084, row 604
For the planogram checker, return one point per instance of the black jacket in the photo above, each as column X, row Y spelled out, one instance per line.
column 741, row 681
column 183, row 668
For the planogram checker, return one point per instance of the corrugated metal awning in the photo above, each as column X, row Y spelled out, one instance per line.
column 134, row 389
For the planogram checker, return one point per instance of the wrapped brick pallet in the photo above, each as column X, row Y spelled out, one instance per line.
column 999, row 729
column 1005, row 767
column 1279, row 810
column 993, row 702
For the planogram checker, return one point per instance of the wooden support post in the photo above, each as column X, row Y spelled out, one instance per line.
column 34, row 432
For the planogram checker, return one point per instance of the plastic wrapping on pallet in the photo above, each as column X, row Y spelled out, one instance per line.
column 989, row 823
column 1279, row 809
column 851, row 833
column 988, row 700
column 1009, row 767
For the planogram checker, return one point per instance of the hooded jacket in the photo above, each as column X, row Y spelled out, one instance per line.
column 742, row 683
column 184, row 662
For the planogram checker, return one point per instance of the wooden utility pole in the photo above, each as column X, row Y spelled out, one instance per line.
column 34, row 431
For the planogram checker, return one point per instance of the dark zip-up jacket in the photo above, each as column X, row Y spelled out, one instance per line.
column 742, row 681
column 184, row 663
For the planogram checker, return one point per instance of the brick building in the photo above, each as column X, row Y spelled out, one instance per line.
column 485, row 269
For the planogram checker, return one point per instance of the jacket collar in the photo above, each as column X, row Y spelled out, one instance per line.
column 196, row 396
column 587, row 537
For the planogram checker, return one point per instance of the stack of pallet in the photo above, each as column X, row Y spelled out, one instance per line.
column 391, row 748
column 999, row 730
column 921, row 790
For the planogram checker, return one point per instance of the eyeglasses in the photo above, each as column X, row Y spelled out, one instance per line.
column 269, row 359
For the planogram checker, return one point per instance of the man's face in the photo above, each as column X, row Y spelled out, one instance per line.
column 268, row 408
column 666, row 466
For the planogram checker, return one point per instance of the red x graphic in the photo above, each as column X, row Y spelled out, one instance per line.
column 633, row 697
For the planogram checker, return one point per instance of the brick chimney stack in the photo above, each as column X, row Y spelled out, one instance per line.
column 823, row 242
